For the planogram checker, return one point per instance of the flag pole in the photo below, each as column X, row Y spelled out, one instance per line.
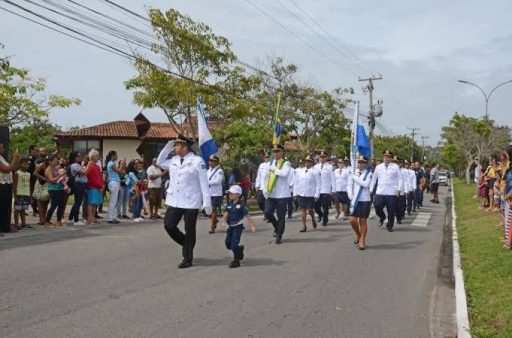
column 277, row 121
column 354, row 154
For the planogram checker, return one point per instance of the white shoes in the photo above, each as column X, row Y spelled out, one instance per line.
column 80, row 223
column 137, row 220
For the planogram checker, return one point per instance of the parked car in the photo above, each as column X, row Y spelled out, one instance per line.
column 443, row 178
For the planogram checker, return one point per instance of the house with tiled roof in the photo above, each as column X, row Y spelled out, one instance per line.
column 120, row 136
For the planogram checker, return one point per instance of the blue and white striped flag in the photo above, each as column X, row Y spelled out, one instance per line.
column 207, row 145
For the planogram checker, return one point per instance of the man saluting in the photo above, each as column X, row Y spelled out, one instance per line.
column 187, row 192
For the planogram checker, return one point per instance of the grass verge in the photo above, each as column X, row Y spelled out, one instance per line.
column 487, row 266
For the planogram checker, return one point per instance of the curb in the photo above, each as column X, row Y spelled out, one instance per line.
column 460, row 292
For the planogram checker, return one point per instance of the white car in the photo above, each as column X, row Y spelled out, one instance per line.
column 443, row 178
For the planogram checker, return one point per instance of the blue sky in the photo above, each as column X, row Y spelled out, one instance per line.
column 420, row 48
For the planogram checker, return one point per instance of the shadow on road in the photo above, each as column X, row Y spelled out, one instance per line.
column 246, row 262
column 332, row 238
column 401, row 246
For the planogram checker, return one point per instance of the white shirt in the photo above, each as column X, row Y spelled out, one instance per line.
column 307, row 182
column 412, row 180
column 282, row 188
column 291, row 179
column 215, row 180
column 358, row 178
column 389, row 178
column 341, row 177
column 327, row 180
column 5, row 178
column 405, row 182
column 261, row 169
column 154, row 171
column 188, row 183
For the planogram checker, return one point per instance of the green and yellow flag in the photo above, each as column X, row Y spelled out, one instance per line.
column 276, row 140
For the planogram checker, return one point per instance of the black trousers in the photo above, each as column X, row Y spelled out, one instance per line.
column 388, row 201
column 5, row 207
column 261, row 200
column 322, row 207
column 57, row 200
column 79, row 193
column 290, row 207
column 410, row 201
column 400, row 207
column 278, row 206
column 188, row 239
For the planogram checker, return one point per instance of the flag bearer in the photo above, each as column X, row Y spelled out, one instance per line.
column 361, row 179
column 275, row 188
column 215, row 183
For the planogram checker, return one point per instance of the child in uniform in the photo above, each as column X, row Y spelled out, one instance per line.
column 236, row 211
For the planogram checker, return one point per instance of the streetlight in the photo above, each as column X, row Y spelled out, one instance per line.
column 487, row 97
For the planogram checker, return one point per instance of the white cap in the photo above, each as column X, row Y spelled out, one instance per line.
column 235, row 189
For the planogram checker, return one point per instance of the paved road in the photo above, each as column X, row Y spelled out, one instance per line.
column 123, row 281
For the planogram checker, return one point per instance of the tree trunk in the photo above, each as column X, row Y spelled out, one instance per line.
column 468, row 172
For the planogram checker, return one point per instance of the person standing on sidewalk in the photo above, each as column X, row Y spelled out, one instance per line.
column 32, row 162
column 95, row 186
column 77, row 172
column 188, row 191
column 154, row 189
column 434, row 182
column 388, row 189
column 114, row 184
column 327, row 188
column 257, row 184
column 276, row 190
column 215, row 182
column 6, row 181
column 56, row 190
column 21, row 190
column 307, row 190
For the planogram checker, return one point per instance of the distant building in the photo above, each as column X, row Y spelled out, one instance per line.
column 120, row 136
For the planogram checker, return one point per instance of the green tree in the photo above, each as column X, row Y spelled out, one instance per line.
column 399, row 145
column 23, row 98
column 467, row 138
column 39, row 131
column 195, row 54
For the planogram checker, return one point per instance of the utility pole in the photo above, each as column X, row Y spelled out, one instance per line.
column 413, row 133
column 372, row 115
column 423, row 138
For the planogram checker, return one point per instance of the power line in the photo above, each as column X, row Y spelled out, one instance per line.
column 298, row 18
column 294, row 34
column 347, row 51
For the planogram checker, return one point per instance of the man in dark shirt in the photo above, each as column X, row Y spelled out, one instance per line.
column 420, row 186
column 33, row 156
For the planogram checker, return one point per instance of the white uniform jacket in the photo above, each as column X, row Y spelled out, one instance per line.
column 405, row 182
column 261, row 169
column 291, row 180
column 215, row 180
column 282, row 187
column 307, row 182
column 412, row 181
column 389, row 178
column 327, row 180
column 188, row 183
column 341, row 178
column 358, row 178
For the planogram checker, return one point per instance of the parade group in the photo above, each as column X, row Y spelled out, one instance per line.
column 319, row 182
column 394, row 184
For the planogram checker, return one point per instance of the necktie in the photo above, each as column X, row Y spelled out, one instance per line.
column 386, row 166
column 322, row 166
column 181, row 160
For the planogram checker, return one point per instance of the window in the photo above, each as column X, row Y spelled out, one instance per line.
column 84, row 146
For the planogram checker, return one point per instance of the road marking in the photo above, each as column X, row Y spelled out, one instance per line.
column 422, row 220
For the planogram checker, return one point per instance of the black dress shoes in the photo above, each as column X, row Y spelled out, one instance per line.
column 278, row 240
column 234, row 264
column 185, row 264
